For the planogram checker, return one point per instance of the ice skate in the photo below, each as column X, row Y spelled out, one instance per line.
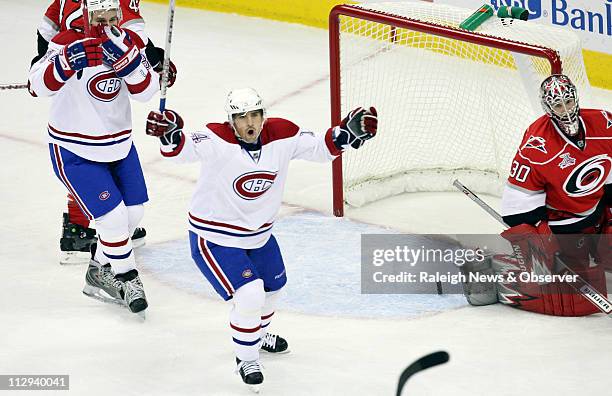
column 251, row 374
column 273, row 343
column 75, row 242
column 100, row 282
column 132, row 291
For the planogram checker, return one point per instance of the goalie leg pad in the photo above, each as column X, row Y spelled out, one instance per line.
column 557, row 298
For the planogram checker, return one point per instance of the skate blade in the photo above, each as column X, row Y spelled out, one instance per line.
column 72, row 258
column 275, row 353
column 96, row 294
column 140, row 242
column 254, row 388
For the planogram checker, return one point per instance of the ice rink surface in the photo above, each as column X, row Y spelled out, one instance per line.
column 342, row 342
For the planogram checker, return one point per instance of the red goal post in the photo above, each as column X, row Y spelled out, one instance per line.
column 394, row 22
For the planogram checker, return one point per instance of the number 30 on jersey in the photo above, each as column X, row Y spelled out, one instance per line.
column 519, row 171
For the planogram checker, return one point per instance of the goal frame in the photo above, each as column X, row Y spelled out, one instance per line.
column 394, row 22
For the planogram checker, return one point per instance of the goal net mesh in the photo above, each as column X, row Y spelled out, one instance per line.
column 447, row 108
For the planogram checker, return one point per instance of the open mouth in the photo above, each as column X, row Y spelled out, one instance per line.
column 250, row 132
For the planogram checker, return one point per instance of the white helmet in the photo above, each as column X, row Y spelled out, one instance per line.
column 243, row 100
column 103, row 5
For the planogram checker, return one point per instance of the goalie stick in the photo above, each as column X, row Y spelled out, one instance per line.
column 427, row 361
column 13, row 86
column 585, row 289
column 166, row 67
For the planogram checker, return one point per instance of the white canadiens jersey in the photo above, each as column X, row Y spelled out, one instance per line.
column 91, row 114
column 238, row 195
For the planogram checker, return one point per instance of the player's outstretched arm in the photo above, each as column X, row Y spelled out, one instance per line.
column 168, row 127
column 357, row 127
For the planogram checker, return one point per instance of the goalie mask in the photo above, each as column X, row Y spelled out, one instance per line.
column 98, row 6
column 560, row 101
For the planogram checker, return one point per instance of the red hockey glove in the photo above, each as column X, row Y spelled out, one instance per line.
column 357, row 127
column 168, row 126
column 77, row 56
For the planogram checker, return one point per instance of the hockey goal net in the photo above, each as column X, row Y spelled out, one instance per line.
column 452, row 103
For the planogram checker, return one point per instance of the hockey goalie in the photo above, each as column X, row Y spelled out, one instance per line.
column 558, row 204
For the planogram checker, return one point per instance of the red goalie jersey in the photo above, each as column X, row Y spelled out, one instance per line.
column 553, row 172
column 68, row 14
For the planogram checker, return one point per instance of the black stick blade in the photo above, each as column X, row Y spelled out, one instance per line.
column 427, row 361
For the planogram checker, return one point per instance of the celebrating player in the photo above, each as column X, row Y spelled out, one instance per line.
column 238, row 195
column 558, row 199
column 91, row 81
column 61, row 16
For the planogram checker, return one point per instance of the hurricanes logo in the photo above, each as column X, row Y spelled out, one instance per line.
column 253, row 185
column 588, row 177
column 104, row 86
column 537, row 143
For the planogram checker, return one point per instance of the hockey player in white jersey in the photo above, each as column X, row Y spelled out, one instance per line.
column 244, row 164
column 92, row 80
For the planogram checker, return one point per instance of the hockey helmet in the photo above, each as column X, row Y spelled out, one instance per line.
column 560, row 101
column 103, row 5
column 243, row 100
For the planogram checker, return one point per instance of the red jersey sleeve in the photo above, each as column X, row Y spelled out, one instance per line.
column 53, row 13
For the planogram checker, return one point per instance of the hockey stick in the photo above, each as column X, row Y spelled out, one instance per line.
column 13, row 86
column 585, row 289
column 166, row 67
column 427, row 361
column 86, row 19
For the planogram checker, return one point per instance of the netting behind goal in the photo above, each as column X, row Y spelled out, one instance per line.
column 452, row 103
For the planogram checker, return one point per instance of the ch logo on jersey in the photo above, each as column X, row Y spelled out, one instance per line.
column 104, row 86
column 588, row 177
column 608, row 118
column 104, row 195
column 537, row 143
column 253, row 185
column 566, row 160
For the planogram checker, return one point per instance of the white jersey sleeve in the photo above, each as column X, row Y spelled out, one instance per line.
column 315, row 147
column 200, row 146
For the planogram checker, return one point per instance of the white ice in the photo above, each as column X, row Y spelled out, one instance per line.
column 342, row 342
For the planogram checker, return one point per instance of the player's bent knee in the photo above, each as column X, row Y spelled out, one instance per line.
column 250, row 298
column 115, row 222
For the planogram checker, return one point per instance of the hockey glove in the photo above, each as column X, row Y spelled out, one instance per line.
column 155, row 55
column 77, row 56
column 120, row 52
column 357, row 127
column 168, row 127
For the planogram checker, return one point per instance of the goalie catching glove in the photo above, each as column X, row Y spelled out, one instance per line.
column 357, row 127
column 168, row 127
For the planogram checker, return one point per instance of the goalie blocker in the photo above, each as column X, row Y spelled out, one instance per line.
column 519, row 277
